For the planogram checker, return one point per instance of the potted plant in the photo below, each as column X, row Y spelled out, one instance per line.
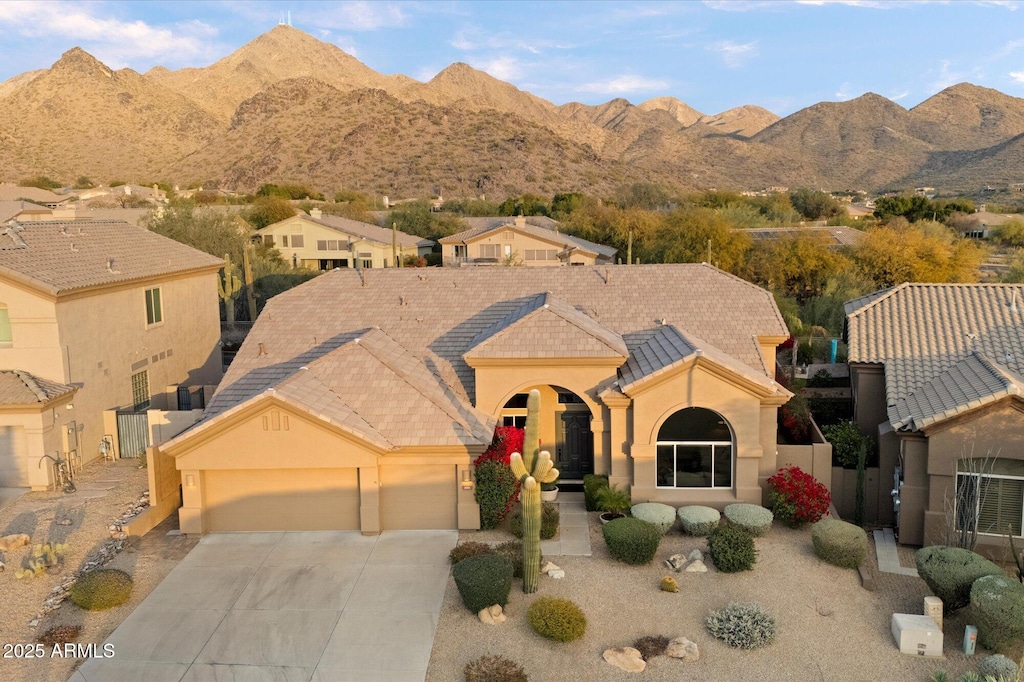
column 613, row 502
column 549, row 491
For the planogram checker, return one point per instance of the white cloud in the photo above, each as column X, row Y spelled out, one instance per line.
column 734, row 54
column 1017, row 76
column 945, row 76
column 502, row 68
column 898, row 97
column 844, row 92
column 622, row 85
column 473, row 39
column 358, row 16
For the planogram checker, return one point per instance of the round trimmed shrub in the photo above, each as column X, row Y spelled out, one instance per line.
column 754, row 518
column 468, row 549
column 483, row 581
column 101, row 589
column 999, row 667
column 840, row 543
column 698, row 520
column 495, row 488
column 591, row 484
column 494, row 669
column 661, row 516
column 513, row 551
column 557, row 619
column 631, row 540
column 548, row 521
column 998, row 602
column 742, row 626
column 732, row 549
column 796, row 497
column 950, row 572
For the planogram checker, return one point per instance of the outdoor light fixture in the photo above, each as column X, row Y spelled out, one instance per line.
column 190, row 481
column 467, row 480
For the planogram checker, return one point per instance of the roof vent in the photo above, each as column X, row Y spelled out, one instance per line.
column 262, row 350
column 110, row 267
column 1013, row 302
column 662, row 321
column 1009, row 357
column 74, row 248
column 316, row 213
column 402, row 300
column 423, row 278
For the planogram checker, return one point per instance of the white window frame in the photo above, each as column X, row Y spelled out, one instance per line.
column 156, row 312
column 699, row 443
column 977, row 505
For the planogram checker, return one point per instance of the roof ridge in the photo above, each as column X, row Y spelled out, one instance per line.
column 548, row 297
column 869, row 300
column 32, row 385
column 778, row 313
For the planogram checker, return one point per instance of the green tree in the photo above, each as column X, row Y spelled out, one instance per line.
column 646, row 195
column 215, row 233
column 687, row 235
column 84, row 182
column 267, row 210
column 40, row 182
column 415, row 217
column 891, row 255
column 563, row 205
column 796, row 264
column 1011, row 233
column 527, row 204
column 814, row 204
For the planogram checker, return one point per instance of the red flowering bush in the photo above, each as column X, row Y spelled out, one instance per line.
column 796, row 497
column 795, row 420
column 507, row 439
column 496, row 486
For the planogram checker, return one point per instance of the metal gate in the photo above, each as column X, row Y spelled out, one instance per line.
column 132, row 433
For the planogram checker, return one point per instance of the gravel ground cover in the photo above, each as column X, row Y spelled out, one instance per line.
column 829, row 627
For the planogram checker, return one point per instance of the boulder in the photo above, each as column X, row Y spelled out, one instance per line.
column 9, row 542
column 675, row 562
column 696, row 566
column 669, row 584
column 683, row 649
column 625, row 658
column 492, row 615
column 556, row 573
column 548, row 566
column 695, row 555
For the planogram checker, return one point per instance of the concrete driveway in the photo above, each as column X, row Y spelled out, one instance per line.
column 287, row 607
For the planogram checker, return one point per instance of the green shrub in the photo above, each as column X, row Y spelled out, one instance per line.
column 101, row 589
column 732, row 549
column 548, row 521
column 847, row 440
column 495, row 486
column 998, row 666
column 483, row 581
column 839, row 543
column 698, row 520
column 557, row 619
column 494, row 669
column 742, row 626
column 998, row 602
column 754, row 518
column 950, row 572
column 631, row 540
column 513, row 551
column 651, row 646
column 661, row 516
column 614, row 500
column 468, row 549
column 591, row 484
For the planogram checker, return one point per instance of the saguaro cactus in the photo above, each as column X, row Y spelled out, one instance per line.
column 228, row 286
column 532, row 468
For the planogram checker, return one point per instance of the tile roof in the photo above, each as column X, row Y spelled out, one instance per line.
column 837, row 236
column 59, row 256
column 541, row 232
column 10, row 209
column 944, row 346
column 22, row 388
column 365, row 231
column 546, row 327
column 9, row 192
column 436, row 315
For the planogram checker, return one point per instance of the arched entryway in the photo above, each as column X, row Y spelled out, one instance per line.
column 695, row 450
column 565, row 429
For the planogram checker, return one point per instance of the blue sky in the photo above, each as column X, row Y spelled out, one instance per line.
column 712, row 55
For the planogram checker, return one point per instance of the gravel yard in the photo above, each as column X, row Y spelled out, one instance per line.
column 829, row 627
column 105, row 492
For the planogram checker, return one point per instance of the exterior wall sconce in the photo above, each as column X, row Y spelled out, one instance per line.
column 190, row 481
column 467, row 480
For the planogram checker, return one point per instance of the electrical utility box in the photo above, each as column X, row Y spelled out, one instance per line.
column 917, row 635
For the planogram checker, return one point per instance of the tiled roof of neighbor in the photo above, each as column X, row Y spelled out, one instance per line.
column 435, row 316
column 10, row 209
column 58, row 256
column 487, row 222
column 133, row 216
column 366, row 231
column 541, row 232
column 22, row 388
column 838, row 235
column 944, row 346
column 9, row 192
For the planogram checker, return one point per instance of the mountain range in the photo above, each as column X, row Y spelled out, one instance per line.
column 287, row 107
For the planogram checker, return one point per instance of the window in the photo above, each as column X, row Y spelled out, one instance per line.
column 154, row 307
column 268, row 240
column 367, row 262
column 490, row 251
column 517, row 402
column 6, row 336
column 541, row 254
column 518, row 421
column 284, row 240
column 567, row 398
column 298, row 241
column 694, row 450
column 994, row 498
column 330, row 245
column 140, row 390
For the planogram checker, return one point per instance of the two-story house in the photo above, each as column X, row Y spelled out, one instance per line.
column 94, row 315
column 532, row 241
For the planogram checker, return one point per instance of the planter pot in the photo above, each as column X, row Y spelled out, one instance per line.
column 549, row 495
column 610, row 516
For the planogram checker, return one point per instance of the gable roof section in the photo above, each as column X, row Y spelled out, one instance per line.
column 61, row 256
column 546, row 327
column 929, row 337
column 665, row 348
column 550, row 234
column 22, row 388
column 359, row 229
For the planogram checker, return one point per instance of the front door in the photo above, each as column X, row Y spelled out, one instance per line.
column 575, row 446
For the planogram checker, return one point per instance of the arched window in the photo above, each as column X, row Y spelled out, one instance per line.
column 695, row 450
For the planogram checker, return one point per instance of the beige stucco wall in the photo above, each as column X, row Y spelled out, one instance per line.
column 515, row 243
column 27, row 434
column 36, row 344
column 309, row 256
column 867, row 384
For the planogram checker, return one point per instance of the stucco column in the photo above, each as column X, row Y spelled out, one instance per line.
column 602, row 445
column 369, row 500
column 619, row 471
column 190, row 516
column 40, row 469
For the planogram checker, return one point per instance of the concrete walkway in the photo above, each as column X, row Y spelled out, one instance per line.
column 9, row 495
column 573, row 530
column 288, row 607
column 888, row 557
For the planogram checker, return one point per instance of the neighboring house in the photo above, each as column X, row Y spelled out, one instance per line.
column 520, row 241
column 326, row 242
column 359, row 400
column 94, row 316
column 937, row 372
column 836, row 237
column 9, row 192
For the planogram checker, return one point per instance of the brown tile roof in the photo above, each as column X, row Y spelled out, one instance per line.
column 365, row 231
column 22, row 388
column 59, row 256
column 548, row 233
column 944, row 346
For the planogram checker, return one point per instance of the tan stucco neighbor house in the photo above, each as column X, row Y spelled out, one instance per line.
column 937, row 372
column 94, row 315
column 360, row 399
column 325, row 242
column 529, row 241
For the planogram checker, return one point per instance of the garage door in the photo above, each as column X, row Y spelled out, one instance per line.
column 418, row 497
column 282, row 499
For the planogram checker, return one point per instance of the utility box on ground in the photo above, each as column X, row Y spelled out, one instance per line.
column 933, row 608
column 917, row 635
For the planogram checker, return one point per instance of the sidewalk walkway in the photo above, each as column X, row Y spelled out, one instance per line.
column 888, row 558
column 573, row 528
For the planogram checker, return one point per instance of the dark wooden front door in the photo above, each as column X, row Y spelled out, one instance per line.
column 575, row 447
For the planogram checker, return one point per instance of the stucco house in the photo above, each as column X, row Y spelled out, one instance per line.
column 937, row 372
column 360, row 399
column 325, row 242
column 532, row 241
column 94, row 315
